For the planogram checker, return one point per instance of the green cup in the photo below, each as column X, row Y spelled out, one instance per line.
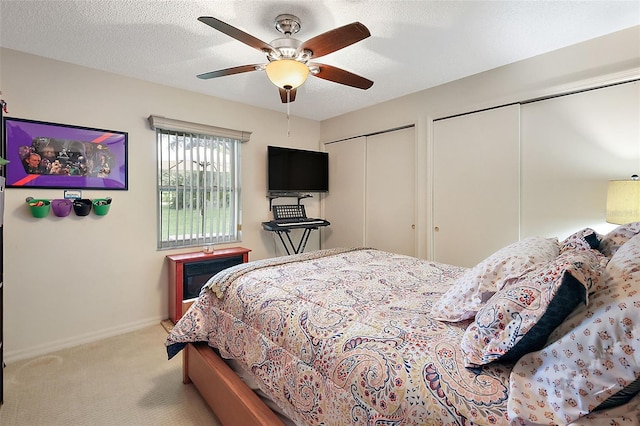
column 101, row 206
column 39, row 208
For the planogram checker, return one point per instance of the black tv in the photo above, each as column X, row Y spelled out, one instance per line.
column 297, row 170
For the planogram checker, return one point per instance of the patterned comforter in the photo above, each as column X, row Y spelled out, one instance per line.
column 344, row 337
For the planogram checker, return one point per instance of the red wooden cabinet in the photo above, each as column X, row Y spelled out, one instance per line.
column 188, row 272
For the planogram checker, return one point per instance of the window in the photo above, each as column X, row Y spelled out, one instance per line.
column 198, row 183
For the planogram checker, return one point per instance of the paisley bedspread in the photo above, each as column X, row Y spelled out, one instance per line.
column 340, row 337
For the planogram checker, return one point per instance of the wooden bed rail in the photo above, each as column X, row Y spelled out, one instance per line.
column 232, row 401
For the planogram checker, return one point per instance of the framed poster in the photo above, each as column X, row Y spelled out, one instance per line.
column 50, row 155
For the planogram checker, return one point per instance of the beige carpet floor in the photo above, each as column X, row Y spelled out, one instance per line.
column 122, row 380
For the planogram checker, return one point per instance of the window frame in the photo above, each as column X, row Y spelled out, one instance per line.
column 212, row 175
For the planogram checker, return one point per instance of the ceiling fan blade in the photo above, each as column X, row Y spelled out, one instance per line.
column 240, row 35
column 291, row 97
column 229, row 71
column 335, row 39
column 338, row 75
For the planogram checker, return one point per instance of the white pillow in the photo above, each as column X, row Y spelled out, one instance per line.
column 472, row 290
column 615, row 239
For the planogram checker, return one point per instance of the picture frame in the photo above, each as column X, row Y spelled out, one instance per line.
column 52, row 155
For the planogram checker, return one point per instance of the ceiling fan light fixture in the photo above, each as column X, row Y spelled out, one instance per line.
column 287, row 73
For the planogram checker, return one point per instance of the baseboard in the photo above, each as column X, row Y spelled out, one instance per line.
column 12, row 356
column 167, row 325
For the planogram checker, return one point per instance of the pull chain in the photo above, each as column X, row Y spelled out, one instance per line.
column 288, row 117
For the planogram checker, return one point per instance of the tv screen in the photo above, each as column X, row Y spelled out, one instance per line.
column 296, row 170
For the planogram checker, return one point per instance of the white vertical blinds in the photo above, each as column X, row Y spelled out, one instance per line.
column 198, row 187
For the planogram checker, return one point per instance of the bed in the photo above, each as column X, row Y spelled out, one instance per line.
column 541, row 332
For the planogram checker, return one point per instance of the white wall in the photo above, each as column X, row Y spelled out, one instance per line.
column 74, row 279
column 612, row 57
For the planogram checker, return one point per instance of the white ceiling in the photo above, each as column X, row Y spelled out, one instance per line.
column 414, row 45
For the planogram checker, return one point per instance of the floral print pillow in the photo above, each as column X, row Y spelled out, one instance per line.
column 472, row 290
column 593, row 355
column 585, row 239
column 519, row 318
column 615, row 239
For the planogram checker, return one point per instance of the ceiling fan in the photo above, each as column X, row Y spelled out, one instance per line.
column 290, row 60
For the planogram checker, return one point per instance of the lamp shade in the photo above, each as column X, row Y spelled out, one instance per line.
column 623, row 201
column 287, row 73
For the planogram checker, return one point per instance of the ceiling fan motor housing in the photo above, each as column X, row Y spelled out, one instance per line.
column 286, row 47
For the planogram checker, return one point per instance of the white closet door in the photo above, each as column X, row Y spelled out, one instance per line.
column 344, row 203
column 390, row 192
column 475, row 185
column 571, row 146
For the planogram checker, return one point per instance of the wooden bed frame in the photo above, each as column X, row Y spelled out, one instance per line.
column 231, row 400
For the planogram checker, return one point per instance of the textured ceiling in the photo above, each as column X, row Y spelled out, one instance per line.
column 414, row 45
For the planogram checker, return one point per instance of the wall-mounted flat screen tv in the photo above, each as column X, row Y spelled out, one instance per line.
column 296, row 170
